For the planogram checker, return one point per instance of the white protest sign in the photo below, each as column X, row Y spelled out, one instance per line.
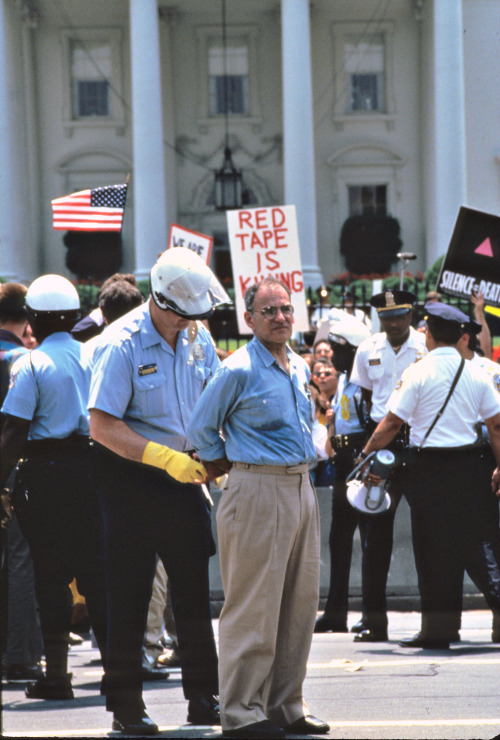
column 199, row 243
column 264, row 242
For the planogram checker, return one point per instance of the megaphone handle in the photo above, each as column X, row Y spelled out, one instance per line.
column 369, row 501
column 359, row 466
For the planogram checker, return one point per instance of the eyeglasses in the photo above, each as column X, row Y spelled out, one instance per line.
column 270, row 312
column 324, row 374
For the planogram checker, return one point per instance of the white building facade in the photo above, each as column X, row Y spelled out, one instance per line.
column 335, row 106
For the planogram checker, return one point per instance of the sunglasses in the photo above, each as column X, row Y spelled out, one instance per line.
column 270, row 312
column 326, row 373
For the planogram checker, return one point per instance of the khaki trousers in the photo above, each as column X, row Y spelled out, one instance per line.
column 269, row 549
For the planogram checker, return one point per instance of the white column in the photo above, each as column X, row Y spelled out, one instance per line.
column 446, row 180
column 298, row 131
column 148, row 186
column 10, row 254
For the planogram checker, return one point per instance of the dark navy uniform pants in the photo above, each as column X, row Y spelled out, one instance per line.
column 452, row 530
column 345, row 520
column 148, row 514
column 377, row 534
column 60, row 517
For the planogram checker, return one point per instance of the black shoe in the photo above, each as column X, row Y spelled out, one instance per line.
column 323, row 624
column 154, row 674
column 204, row 711
column 266, row 730
column 24, row 672
column 421, row 641
column 371, row 636
column 308, row 725
column 358, row 627
column 141, row 725
column 54, row 688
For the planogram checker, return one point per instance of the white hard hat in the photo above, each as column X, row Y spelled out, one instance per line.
column 349, row 329
column 52, row 294
column 182, row 282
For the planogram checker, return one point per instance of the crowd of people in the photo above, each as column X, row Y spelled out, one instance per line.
column 114, row 425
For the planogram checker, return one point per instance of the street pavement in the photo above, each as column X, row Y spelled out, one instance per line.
column 364, row 691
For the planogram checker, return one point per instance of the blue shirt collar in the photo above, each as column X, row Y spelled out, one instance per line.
column 264, row 354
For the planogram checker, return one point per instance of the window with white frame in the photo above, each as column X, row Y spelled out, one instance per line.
column 365, row 74
column 91, row 73
column 92, row 69
column 228, row 78
column 228, row 82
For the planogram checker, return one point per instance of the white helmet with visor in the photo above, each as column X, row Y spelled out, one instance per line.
column 181, row 282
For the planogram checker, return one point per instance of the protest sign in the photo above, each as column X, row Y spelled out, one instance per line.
column 264, row 242
column 199, row 243
column 472, row 261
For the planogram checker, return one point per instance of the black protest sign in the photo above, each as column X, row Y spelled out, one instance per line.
column 472, row 261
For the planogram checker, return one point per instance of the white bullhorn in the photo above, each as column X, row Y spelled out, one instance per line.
column 365, row 497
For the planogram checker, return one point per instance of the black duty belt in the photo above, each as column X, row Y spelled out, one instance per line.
column 49, row 446
column 340, row 441
column 446, row 450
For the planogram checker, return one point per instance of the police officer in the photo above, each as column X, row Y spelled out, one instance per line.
column 23, row 647
column 378, row 365
column 146, row 379
column 47, row 426
column 347, row 434
column 441, row 398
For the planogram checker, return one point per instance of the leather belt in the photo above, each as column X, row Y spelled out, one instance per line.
column 340, row 441
column 273, row 469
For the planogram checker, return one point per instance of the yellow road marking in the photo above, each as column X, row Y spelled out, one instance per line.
column 343, row 663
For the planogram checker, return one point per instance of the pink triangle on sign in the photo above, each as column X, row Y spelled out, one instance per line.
column 485, row 249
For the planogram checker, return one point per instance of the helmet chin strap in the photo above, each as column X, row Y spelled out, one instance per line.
column 192, row 332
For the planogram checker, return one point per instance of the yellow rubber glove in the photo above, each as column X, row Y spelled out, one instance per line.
column 177, row 464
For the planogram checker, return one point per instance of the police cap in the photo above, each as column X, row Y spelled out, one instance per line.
column 393, row 303
column 443, row 313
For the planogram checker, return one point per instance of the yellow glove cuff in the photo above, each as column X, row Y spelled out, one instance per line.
column 177, row 464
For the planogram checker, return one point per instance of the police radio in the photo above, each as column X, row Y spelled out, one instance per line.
column 366, row 497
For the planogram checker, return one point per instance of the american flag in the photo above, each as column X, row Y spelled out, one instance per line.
column 95, row 209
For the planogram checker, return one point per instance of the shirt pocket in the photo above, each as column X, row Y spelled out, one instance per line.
column 150, row 394
column 375, row 371
column 264, row 413
column 202, row 373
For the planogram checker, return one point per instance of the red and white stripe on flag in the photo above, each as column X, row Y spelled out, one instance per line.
column 96, row 209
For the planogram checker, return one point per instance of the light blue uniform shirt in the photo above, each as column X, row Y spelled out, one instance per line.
column 265, row 414
column 348, row 396
column 50, row 387
column 137, row 377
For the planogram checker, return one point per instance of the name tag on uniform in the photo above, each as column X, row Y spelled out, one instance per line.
column 148, row 369
column 376, row 361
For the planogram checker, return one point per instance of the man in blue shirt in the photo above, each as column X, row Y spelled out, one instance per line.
column 267, row 520
column 148, row 371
